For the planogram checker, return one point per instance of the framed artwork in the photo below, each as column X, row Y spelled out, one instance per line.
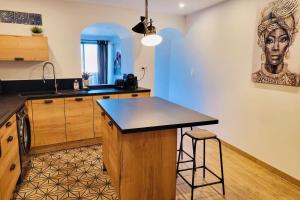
column 277, row 44
column 15, row 17
column 117, row 64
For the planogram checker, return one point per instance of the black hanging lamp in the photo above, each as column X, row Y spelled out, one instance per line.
column 146, row 27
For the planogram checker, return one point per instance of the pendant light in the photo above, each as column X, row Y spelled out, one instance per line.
column 150, row 37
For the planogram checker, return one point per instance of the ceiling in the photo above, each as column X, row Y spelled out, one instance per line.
column 165, row 6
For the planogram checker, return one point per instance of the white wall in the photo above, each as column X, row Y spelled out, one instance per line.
column 63, row 22
column 215, row 78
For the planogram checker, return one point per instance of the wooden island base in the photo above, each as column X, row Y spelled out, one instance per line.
column 142, row 165
column 140, row 145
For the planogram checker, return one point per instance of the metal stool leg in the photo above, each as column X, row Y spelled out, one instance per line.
column 181, row 142
column 204, row 158
column 221, row 162
column 179, row 153
column 194, row 153
column 194, row 168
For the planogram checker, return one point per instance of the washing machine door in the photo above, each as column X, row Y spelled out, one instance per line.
column 25, row 135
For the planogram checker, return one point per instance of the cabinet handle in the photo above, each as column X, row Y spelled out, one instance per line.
column 78, row 99
column 19, row 59
column 48, row 101
column 110, row 123
column 106, row 97
column 134, row 95
column 12, row 167
column 9, row 139
column 8, row 124
column 102, row 113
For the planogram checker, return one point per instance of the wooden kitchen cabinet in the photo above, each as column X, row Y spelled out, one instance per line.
column 28, row 106
column 9, row 158
column 23, row 48
column 112, row 149
column 134, row 95
column 48, row 121
column 79, row 118
column 98, row 114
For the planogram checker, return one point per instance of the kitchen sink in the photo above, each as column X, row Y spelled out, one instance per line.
column 39, row 93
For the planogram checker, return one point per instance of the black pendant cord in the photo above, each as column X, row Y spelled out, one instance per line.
column 146, row 10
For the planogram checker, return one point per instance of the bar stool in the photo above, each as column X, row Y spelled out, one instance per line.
column 196, row 135
column 181, row 136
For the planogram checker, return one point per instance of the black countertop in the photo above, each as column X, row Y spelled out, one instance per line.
column 149, row 114
column 10, row 104
column 75, row 93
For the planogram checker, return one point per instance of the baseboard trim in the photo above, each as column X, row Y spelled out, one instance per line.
column 263, row 164
column 63, row 146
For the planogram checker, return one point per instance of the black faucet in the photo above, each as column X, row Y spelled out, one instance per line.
column 53, row 69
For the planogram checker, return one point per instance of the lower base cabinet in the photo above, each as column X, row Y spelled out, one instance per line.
column 99, row 114
column 61, row 120
column 79, row 118
column 49, row 121
column 9, row 173
column 9, row 158
column 141, row 165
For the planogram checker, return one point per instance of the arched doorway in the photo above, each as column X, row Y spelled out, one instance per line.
column 106, row 52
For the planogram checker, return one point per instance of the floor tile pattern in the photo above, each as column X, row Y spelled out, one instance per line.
column 77, row 174
column 67, row 174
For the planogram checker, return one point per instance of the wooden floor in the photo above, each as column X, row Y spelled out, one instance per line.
column 244, row 179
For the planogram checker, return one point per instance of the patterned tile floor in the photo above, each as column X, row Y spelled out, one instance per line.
column 67, row 174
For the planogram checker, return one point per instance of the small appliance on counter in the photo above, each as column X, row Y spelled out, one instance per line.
column 129, row 82
column 119, row 84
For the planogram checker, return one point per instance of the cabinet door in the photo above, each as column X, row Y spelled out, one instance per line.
column 8, row 137
column 27, row 48
column 9, row 172
column 98, row 116
column 79, row 118
column 111, row 152
column 48, row 121
column 134, row 95
column 28, row 105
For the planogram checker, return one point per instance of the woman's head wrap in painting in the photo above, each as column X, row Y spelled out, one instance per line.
column 279, row 14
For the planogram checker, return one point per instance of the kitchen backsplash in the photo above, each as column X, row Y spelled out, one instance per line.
column 17, row 86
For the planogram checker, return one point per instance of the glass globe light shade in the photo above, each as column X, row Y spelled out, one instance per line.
column 151, row 40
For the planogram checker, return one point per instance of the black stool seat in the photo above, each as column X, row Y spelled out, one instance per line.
column 199, row 135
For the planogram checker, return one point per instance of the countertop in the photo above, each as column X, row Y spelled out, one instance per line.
column 149, row 114
column 11, row 103
column 75, row 93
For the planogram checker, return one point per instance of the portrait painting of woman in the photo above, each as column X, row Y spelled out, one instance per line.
column 276, row 33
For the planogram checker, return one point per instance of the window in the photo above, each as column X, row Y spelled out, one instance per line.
column 89, row 61
column 94, row 57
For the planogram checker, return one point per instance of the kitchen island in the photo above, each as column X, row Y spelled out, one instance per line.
column 140, row 142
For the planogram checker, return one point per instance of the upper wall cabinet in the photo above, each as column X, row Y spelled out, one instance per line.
column 23, row 48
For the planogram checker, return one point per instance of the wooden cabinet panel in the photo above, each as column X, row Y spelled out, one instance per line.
column 9, row 170
column 28, row 105
column 98, row 117
column 148, row 165
column 9, row 136
column 27, row 48
column 79, row 118
column 112, row 154
column 106, row 133
column 49, row 121
column 134, row 95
